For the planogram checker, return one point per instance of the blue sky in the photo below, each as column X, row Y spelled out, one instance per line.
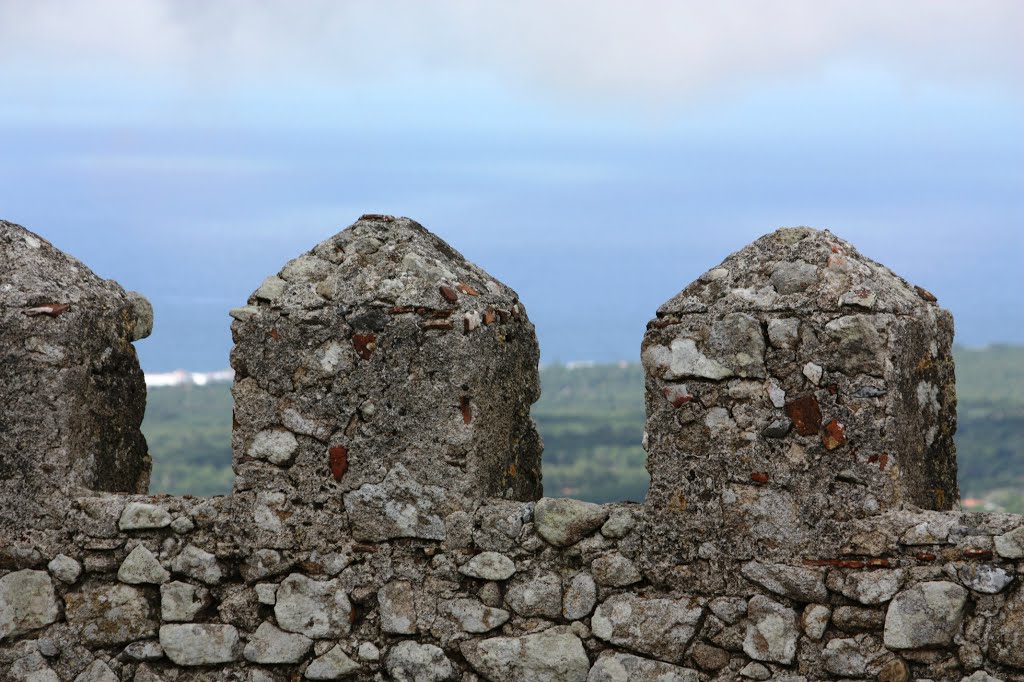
column 596, row 156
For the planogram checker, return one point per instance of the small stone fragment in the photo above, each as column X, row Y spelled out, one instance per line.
column 873, row 587
column 580, row 597
column 368, row 651
column 815, row 619
column 796, row 582
column 776, row 395
column 65, row 569
column 842, row 657
column 784, row 333
column 195, row 644
column 139, row 516
column 149, row 650
column 338, row 460
column 555, row 655
column 333, row 665
column 1011, row 545
column 108, row 615
column 410, row 661
column 317, row 609
column 180, row 602
column 662, row 628
column 620, row 522
column 539, row 596
column 489, row 566
column 140, row 566
column 98, row 671
column 563, row 522
column 927, row 614
column 772, row 632
column 27, row 602
column 813, row 373
column 275, row 446
column 622, row 667
column 755, row 671
column 199, row 564
column 272, row 645
column 778, row 428
column 474, row 617
column 396, row 602
column 615, row 570
column 984, row 578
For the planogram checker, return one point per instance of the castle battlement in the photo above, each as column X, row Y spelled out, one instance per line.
column 387, row 519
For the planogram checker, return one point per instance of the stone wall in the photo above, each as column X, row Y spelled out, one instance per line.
column 385, row 522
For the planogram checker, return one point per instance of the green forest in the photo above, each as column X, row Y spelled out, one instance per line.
column 591, row 418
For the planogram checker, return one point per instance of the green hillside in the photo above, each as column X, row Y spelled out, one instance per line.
column 592, row 418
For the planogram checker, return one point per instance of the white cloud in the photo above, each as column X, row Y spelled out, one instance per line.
column 668, row 50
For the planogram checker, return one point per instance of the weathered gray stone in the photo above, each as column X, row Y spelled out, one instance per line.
column 927, row 614
column 400, row 507
column 619, row 667
column 270, row 644
column 793, row 277
column 1007, row 644
column 873, row 587
column 615, row 570
column 772, row 631
column 368, row 651
column 555, row 655
column 140, row 566
column 796, row 582
column 580, row 597
column 107, row 615
column 662, row 628
column 536, row 596
column 472, row 616
column 65, row 569
column 563, row 522
column 755, row 671
column 149, row 650
column 489, row 566
column 843, row 657
column 980, row 676
column 815, row 619
column 984, row 578
column 333, row 665
column 1011, row 545
column 729, row 609
column 317, row 609
column 199, row 564
column 276, row 446
column 27, row 602
column 620, row 522
column 141, row 516
column 414, row 662
column 397, row 604
column 180, row 602
column 205, row 644
column 98, row 671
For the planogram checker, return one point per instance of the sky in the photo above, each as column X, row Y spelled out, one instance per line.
column 596, row 156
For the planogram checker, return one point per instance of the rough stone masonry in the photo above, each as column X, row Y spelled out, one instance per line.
column 387, row 520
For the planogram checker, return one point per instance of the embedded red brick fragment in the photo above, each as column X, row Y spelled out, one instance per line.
column 467, row 289
column 50, row 309
column 925, row 556
column 489, row 316
column 878, row 563
column 806, row 415
column 364, row 344
column 925, row 294
column 449, row 294
column 838, row 563
column 677, row 395
column 834, row 435
column 339, row 461
column 467, row 411
column 759, row 477
column 978, row 553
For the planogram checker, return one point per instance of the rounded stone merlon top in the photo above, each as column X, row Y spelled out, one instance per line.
column 45, row 281
column 798, row 268
column 382, row 261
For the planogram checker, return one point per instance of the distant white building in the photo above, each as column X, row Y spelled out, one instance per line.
column 181, row 377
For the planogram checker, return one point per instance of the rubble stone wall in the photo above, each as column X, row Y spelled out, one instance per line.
column 387, row 523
